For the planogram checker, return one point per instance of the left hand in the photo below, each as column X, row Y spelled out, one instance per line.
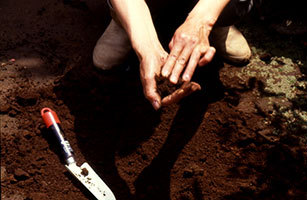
column 189, row 47
column 150, row 67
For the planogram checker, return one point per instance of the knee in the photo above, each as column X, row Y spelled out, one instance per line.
column 99, row 61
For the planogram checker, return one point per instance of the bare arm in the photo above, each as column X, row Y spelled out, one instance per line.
column 136, row 19
column 189, row 45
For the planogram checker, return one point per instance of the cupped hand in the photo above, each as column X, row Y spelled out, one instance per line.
column 189, row 47
column 150, row 67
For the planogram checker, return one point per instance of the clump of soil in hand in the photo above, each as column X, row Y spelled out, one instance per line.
column 173, row 93
column 84, row 172
column 165, row 87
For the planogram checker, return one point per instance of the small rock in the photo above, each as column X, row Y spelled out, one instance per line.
column 5, row 108
column 188, row 173
column 10, row 178
column 27, row 134
column 12, row 113
column 14, row 197
column 20, row 174
column 193, row 170
column 3, row 173
column 84, row 172
column 199, row 172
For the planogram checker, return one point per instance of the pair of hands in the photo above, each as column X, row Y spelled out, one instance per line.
column 189, row 47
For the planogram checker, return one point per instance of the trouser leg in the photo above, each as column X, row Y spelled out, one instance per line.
column 229, row 42
column 113, row 47
column 234, row 11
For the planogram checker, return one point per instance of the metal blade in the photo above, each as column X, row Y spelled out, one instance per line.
column 88, row 177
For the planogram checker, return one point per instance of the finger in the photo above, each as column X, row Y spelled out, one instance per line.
column 171, row 60
column 170, row 45
column 194, row 59
column 181, row 63
column 150, row 92
column 208, row 56
column 186, row 89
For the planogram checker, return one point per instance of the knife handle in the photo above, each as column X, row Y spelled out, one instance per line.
column 52, row 123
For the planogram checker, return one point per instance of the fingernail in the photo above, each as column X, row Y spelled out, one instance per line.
column 156, row 105
column 165, row 73
column 173, row 79
column 195, row 87
column 186, row 77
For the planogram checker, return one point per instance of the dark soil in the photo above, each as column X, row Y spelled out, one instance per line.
column 226, row 141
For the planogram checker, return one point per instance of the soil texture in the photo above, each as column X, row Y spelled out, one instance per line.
column 242, row 136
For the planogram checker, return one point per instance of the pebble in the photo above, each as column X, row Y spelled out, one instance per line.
column 12, row 113
column 27, row 134
column 13, row 197
column 193, row 170
column 3, row 173
column 5, row 108
column 20, row 174
column 188, row 173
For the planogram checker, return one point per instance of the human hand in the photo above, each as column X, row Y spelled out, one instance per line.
column 186, row 89
column 150, row 67
column 189, row 47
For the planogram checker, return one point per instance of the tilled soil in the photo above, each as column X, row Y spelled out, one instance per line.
column 237, row 138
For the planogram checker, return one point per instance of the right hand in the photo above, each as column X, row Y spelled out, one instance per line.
column 150, row 67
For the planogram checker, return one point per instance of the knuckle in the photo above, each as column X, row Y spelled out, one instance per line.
column 182, row 37
column 181, row 61
column 149, row 95
column 194, row 40
column 173, row 56
column 202, row 48
column 148, row 77
column 206, row 59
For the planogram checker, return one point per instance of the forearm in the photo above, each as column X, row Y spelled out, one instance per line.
column 206, row 12
column 135, row 17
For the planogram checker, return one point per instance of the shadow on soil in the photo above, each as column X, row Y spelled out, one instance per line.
column 109, row 105
column 280, row 174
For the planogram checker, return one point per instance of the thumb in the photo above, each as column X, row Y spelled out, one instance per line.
column 150, row 92
column 171, row 44
column 207, row 57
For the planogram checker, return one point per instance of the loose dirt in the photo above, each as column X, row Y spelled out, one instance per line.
column 243, row 136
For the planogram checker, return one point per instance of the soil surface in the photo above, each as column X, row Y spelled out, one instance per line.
column 243, row 136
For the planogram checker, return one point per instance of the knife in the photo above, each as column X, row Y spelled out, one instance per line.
column 85, row 174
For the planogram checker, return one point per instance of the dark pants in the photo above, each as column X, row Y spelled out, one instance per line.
column 234, row 12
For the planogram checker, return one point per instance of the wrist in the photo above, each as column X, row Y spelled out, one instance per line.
column 206, row 12
column 205, row 21
column 146, row 48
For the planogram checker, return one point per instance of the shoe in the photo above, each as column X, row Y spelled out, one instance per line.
column 112, row 48
column 230, row 44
